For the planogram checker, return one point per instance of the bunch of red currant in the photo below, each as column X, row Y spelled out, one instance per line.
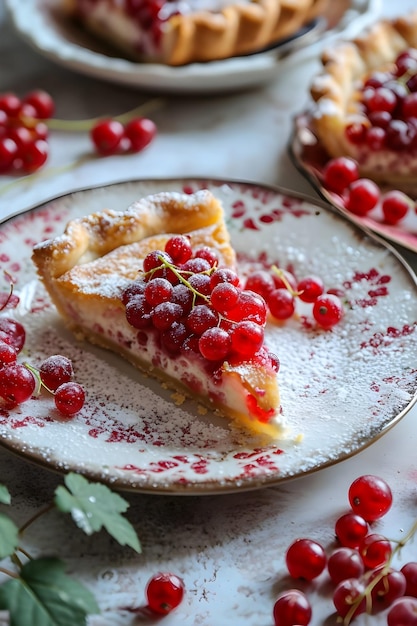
column 360, row 568
column 389, row 106
column 196, row 306
column 360, row 196
column 281, row 290
column 25, row 124
column 18, row 381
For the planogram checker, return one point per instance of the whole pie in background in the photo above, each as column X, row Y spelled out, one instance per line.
column 178, row 32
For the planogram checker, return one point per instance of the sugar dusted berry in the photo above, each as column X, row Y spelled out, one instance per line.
column 55, row 370
column 69, row 398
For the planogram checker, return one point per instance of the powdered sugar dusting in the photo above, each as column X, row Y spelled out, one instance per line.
column 340, row 389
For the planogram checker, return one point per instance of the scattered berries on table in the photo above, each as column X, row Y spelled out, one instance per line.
column 359, row 568
column 164, row 592
column 25, row 124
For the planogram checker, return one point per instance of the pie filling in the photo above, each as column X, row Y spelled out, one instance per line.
column 99, row 268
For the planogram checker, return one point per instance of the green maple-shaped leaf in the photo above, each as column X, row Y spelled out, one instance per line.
column 8, row 536
column 4, row 495
column 44, row 596
column 94, row 506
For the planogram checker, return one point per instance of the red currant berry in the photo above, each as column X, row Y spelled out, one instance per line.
column 7, row 354
column 208, row 254
column 363, row 196
column 10, row 104
column 391, row 585
column 375, row 550
column 140, row 132
column 164, row 592
column 106, row 136
column 327, row 310
column 55, row 370
column 174, row 337
column 224, row 275
column 261, row 282
column 165, row 314
column 34, row 155
column 410, row 572
column 350, row 529
column 69, row 398
column 42, row 102
column 201, row 318
column 349, row 597
column 247, row 338
column 179, row 249
column 339, row 173
column 138, row 312
column 370, row 497
column 292, row 607
column 136, row 288
column 403, row 612
column 224, row 297
column 12, row 332
column 310, row 288
column 250, row 307
column 154, row 260
column 344, row 563
column 158, row 290
column 214, row 344
column 395, row 205
column 281, row 304
column 17, row 384
column 8, row 153
column 305, row 559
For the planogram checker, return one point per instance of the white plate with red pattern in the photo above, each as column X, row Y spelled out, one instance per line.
column 41, row 26
column 340, row 389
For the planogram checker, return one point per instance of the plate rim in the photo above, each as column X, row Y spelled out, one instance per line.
column 211, row 487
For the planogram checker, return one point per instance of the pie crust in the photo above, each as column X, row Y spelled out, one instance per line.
column 87, row 268
column 197, row 34
column 336, row 93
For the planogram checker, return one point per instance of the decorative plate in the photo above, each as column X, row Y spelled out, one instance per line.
column 310, row 158
column 63, row 43
column 341, row 389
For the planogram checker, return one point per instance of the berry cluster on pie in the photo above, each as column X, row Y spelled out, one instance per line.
column 365, row 102
column 178, row 32
column 157, row 284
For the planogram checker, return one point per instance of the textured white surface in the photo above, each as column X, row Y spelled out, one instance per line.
column 230, row 549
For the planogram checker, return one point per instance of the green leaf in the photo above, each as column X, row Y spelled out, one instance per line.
column 44, row 596
column 4, row 495
column 94, row 506
column 9, row 533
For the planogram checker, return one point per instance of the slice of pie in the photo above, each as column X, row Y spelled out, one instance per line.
column 124, row 281
column 365, row 102
column 177, row 32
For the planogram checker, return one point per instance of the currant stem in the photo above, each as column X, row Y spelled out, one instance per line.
column 181, row 278
column 83, row 125
column 367, row 592
column 46, row 173
column 8, row 572
column 39, row 381
column 37, row 515
column 281, row 274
